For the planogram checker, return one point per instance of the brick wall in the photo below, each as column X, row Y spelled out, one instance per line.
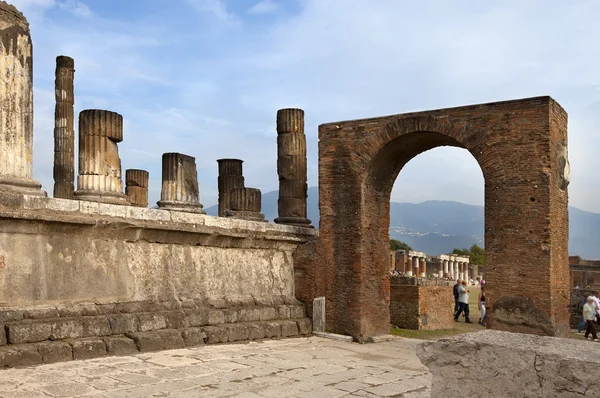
column 421, row 307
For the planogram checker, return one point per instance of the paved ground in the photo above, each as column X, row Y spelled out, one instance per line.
column 305, row 367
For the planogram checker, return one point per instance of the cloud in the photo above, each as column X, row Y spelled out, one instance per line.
column 216, row 8
column 77, row 8
column 264, row 7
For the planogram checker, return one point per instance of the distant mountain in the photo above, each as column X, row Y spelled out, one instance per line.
column 437, row 227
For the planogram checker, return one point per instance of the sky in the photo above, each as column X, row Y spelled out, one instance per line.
column 206, row 77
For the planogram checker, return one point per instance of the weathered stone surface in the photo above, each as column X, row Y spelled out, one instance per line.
column 55, row 351
column 289, row 328
column 179, row 184
column 136, row 187
column 237, row 332
column 272, row 329
column 151, row 322
column 40, row 313
column 193, row 336
column 165, row 339
column 216, row 334
column 19, row 355
column 119, row 345
column 138, row 306
column 88, row 348
column 87, row 309
column 64, row 133
column 267, row 314
column 231, row 315
column 256, row 331
column 68, row 328
column 197, row 317
column 230, row 177
column 304, row 326
column 7, row 316
column 501, row 364
column 96, row 326
column 250, row 314
column 28, row 332
column 216, row 317
column 284, row 312
column 421, row 307
column 297, row 311
column 3, row 339
column 123, row 323
column 175, row 319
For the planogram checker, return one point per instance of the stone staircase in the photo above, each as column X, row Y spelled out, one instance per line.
column 48, row 334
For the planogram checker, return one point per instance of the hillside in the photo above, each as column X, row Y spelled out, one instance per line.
column 439, row 226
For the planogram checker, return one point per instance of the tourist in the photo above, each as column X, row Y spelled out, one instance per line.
column 589, row 316
column 581, row 319
column 596, row 304
column 463, row 302
column 456, row 306
column 481, row 303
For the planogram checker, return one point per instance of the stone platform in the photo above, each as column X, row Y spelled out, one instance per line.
column 301, row 367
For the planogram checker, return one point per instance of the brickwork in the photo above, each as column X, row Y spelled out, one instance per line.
column 421, row 307
column 521, row 147
column 584, row 273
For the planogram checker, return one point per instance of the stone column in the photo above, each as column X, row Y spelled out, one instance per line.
column 446, row 267
column 423, row 267
column 409, row 266
column 64, row 133
column 291, row 168
column 99, row 178
column 179, row 184
column 245, row 204
column 441, row 269
column 16, row 104
column 136, row 187
column 456, row 270
column 230, row 177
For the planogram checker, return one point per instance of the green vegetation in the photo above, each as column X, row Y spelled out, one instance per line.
column 397, row 245
column 476, row 254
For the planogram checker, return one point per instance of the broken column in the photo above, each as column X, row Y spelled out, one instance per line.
column 64, row 133
column 16, row 104
column 179, row 184
column 245, row 204
column 291, row 168
column 230, row 177
column 409, row 266
column 136, row 187
column 423, row 267
column 99, row 178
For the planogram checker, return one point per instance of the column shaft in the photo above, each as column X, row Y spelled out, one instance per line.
column 179, row 184
column 136, row 187
column 230, row 177
column 64, row 133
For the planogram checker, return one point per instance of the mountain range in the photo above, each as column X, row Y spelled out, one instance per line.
column 437, row 227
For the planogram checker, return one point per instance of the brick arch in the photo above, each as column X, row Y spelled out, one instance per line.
column 526, row 230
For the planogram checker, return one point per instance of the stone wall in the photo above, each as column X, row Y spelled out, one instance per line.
column 421, row 306
column 501, row 364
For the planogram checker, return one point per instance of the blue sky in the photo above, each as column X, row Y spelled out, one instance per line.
column 206, row 77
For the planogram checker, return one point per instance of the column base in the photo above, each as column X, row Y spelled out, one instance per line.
column 409, row 273
column 21, row 186
column 295, row 221
column 181, row 206
column 245, row 215
column 113, row 198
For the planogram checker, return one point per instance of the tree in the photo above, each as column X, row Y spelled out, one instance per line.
column 397, row 245
column 476, row 254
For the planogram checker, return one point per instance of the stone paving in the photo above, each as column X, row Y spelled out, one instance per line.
column 302, row 367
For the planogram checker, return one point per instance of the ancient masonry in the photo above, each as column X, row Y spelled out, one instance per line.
column 291, row 167
column 64, row 133
column 235, row 200
column 180, row 184
column 136, row 187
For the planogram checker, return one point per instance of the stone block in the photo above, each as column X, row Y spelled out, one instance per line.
column 67, row 328
column 216, row 317
column 297, row 311
column 40, row 313
column 123, row 323
column 197, row 317
column 193, row 336
column 503, row 364
column 19, row 355
column 85, row 309
column 165, row 339
column 3, row 340
column 170, row 305
column 96, row 326
column 110, row 308
column 289, row 328
column 175, row 319
column 55, row 351
column 250, row 314
column 217, row 303
column 150, row 322
column 188, row 304
column 267, row 314
column 263, row 300
column 283, row 312
column 278, row 300
column 136, row 307
column 216, row 334
column 291, row 300
column 88, row 348
column 28, row 332
column 272, row 329
column 256, row 331
column 7, row 316
column 237, row 332
column 231, row 315
column 119, row 345
column 304, row 326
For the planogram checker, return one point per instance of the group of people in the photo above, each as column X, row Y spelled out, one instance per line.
column 590, row 316
column 461, row 301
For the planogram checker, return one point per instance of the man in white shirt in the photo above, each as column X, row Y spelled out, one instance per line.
column 463, row 302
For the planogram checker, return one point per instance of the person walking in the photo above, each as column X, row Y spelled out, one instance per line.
column 463, row 302
column 481, row 302
column 589, row 315
column 596, row 304
column 456, row 306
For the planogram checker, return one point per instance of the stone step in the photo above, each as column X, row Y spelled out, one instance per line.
column 28, row 354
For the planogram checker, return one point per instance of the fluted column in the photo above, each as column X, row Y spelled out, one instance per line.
column 99, row 178
column 456, row 271
column 416, row 265
column 136, row 187
column 64, row 133
column 230, row 177
column 446, row 267
column 16, row 104
column 409, row 266
column 291, row 168
column 245, row 204
column 423, row 267
column 179, row 184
